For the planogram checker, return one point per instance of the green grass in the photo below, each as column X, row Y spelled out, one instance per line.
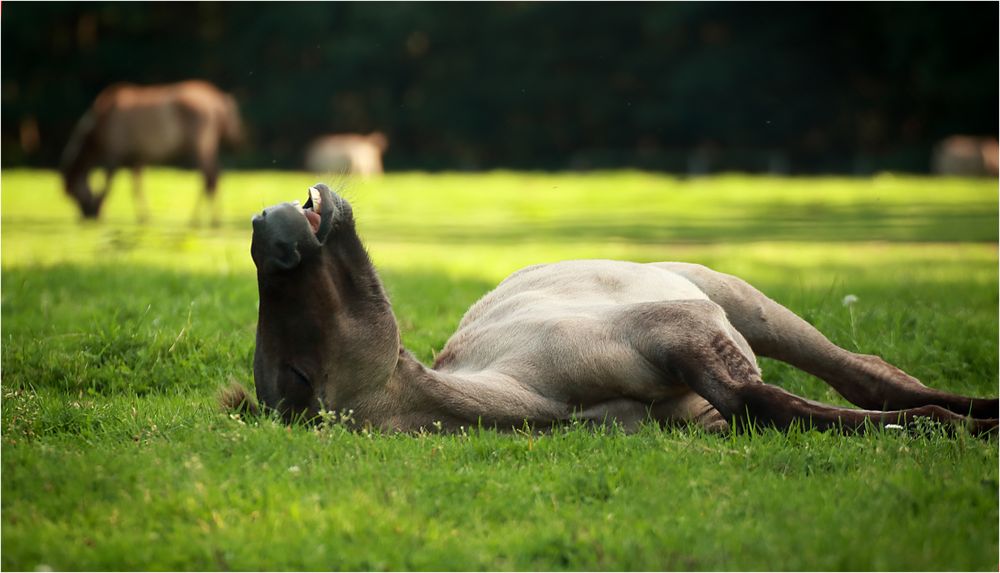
column 115, row 338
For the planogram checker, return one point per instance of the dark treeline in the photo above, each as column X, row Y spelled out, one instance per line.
column 796, row 87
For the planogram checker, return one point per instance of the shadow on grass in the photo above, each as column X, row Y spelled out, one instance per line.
column 785, row 223
column 808, row 222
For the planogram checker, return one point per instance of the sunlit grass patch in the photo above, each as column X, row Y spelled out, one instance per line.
column 116, row 337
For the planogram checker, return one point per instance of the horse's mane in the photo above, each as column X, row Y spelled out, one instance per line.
column 83, row 131
column 86, row 127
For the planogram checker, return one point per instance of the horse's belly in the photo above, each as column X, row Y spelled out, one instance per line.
column 577, row 358
column 146, row 135
column 565, row 330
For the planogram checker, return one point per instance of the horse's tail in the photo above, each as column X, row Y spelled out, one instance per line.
column 230, row 122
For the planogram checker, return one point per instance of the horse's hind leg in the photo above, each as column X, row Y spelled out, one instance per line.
column 211, row 177
column 207, row 148
column 689, row 342
column 776, row 332
column 211, row 173
column 723, row 380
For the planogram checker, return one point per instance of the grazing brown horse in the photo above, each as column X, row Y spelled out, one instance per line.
column 592, row 340
column 130, row 125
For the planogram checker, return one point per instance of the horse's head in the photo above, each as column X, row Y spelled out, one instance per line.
column 325, row 332
column 77, row 160
column 76, row 186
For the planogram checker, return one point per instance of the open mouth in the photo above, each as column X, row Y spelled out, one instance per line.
column 312, row 209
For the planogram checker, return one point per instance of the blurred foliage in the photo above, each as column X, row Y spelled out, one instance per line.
column 804, row 87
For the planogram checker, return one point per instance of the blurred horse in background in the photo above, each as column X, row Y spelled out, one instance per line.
column 966, row 156
column 347, row 153
column 132, row 126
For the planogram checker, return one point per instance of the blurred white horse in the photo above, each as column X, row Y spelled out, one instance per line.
column 347, row 153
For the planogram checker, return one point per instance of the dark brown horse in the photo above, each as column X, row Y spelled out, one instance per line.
column 131, row 126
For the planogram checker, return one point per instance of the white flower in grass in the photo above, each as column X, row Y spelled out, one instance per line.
column 849, row 300
column 294, row 469
column 893, row 427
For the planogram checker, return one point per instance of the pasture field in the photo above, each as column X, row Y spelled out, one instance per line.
column 116, row 338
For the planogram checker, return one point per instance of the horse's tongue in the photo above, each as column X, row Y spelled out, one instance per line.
column 313, row 219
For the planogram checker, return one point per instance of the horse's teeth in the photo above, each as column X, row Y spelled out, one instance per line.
column 317, row 201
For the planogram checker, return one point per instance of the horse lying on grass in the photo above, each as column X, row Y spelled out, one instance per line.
column 589, row 340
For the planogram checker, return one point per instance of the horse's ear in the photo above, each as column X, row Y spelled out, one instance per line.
column 379, row 140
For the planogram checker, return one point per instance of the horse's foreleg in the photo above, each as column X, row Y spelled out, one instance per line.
column 138, row 196
column 211, row 176
column 109, row 177
column 98, row 199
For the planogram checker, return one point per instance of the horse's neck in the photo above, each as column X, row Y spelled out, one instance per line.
column 81, row 150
